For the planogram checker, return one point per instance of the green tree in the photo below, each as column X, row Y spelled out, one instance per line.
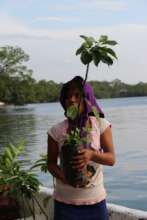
column 11, row 61
column 15, row 77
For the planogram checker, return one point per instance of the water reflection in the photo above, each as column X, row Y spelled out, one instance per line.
column 15, row 127
column 29, row 123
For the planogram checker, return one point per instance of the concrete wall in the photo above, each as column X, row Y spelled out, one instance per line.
column 116, row 212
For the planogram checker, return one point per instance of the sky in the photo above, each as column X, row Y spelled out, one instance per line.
column 48, row 31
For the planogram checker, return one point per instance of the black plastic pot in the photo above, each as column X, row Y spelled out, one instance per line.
column 73, row 176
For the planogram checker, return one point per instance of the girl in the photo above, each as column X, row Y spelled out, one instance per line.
column 87, row 202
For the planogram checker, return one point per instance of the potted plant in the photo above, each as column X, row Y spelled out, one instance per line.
column 96, row 51
column 18, row 185
column 72, row 145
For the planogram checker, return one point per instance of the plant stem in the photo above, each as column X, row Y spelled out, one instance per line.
column 31, row 209
column 41, row 208
column 34, row 216
column 86, row 76
column 24, row 216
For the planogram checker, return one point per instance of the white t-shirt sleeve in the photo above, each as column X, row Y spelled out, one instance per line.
column 58, row 132
column 103, row 125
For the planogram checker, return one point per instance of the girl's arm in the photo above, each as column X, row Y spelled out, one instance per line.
column 107, row 156
column 52, row 155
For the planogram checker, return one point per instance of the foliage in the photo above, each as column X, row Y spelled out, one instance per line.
column 15, row 77
column 19, row 181
column 72, row 112
column 11, row 61
column 96, row 50
column 42, row 163
column 74, row 137
column 14, row 91
column 21, row 88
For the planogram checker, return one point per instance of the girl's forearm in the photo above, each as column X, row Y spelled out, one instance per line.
column 105, row 158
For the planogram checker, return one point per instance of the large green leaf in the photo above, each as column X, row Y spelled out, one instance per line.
column 86, row 57
column 72, row 112
column 80, row 49
column 107, row 59
column 88, row 40
column 103, row 38
column 96, row 57
column 111, row 52
column 111, row 42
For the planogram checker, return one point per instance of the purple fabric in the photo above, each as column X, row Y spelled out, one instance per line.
column 88, row 95
column 91, row 100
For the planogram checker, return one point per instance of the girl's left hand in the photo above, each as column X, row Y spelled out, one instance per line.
column 82, row 158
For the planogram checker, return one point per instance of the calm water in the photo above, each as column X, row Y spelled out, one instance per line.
column 126, row 182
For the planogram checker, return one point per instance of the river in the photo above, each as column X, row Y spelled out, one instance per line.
column 126, row 182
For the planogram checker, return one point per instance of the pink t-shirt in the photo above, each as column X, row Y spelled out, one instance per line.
column 93, row 192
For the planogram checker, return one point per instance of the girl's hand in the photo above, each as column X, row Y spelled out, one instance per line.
column 82, row 158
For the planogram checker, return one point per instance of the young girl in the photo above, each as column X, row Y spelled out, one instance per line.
column 87, row 202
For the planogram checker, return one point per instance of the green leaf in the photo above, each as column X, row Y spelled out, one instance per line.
column 111, row 42
column 111, row 52
column 86, row 57
column 103, row 38
column 8, row 162
column 88, row 40
column 72, row 112
column 96, row 57
column 13, row 149
column 108, row 60
column 39, row 165
column 8, row 154
column 79, row 50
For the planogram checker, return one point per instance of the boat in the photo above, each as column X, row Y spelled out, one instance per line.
column 116, row 212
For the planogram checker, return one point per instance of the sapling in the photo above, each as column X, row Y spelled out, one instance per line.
column 96, row 51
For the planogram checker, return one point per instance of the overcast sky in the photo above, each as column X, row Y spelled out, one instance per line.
column 48, row 30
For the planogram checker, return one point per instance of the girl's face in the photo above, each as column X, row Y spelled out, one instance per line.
column 73, row 98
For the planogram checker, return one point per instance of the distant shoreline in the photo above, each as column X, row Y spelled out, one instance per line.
column 2, row 104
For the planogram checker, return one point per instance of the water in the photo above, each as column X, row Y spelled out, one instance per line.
column 126, row 182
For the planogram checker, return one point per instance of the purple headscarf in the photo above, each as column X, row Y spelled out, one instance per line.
column 90, row 100
column 88, row 95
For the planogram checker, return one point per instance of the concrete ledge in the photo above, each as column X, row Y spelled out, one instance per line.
column 116, row 212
